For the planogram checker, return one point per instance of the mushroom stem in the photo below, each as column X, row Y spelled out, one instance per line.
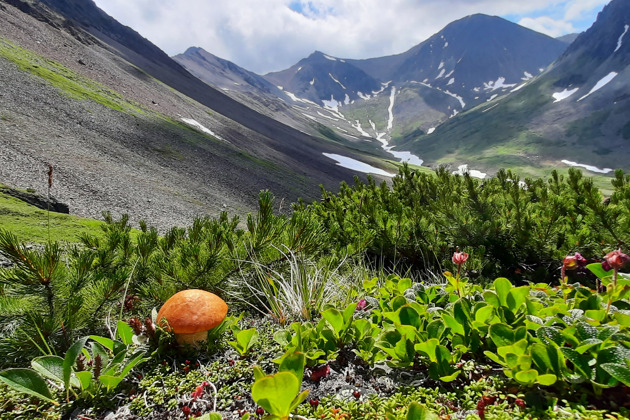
column 191, row 338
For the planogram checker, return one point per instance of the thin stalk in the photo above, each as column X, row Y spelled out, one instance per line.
column 122, row 303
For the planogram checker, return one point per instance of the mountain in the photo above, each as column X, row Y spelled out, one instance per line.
column 574, row 113
column 568, row 38
column 474, row 57
column 325, row 79
column 129, row 130
column 401, row 97
column 246, row 87
column 223, row 73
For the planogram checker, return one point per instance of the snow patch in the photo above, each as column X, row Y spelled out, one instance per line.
column 492, row 97
column 363, row 96
column 390, row 121
column 519, row 87
column 527, row 76
column 449, row 74
column 299, row 68
column 356, row 165
column 337, row 81
column 603, row 82
column 329, row 58
column 498, row 84
column 326, row 116
column 587, row 167
column 313, row 81
column 294, row 98
column 441, row 74
column 446, row 44
column 441, row 65
column 459, row 98
column 360, row 129
column 463, row 169
column 489, row 108
column 450, row 82
column 558, row 96
column 620, row 40
column 431, row 130
column 200, row 127
column 332, row 104
column 347, row 100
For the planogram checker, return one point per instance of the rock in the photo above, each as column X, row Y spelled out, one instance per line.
column 37, row 200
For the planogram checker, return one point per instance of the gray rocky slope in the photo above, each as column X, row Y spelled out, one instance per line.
column 135, row 155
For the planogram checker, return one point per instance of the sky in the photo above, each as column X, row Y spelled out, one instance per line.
column 272, row 35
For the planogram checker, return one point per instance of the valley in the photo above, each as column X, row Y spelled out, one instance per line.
column 436, row 234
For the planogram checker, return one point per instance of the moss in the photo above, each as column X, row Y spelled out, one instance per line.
column 70, row 83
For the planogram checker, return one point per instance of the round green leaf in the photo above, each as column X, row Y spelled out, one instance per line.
column 275, row 393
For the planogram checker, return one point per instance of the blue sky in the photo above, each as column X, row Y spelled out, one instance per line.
column 271, row 35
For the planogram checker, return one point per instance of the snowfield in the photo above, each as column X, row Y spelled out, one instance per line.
column 200, row 127
column 559, row 96
column 356, row 165
column 603, row 82
column 587, row 167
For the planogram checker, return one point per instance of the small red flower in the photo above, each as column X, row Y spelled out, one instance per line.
column 197, row 393
column 186, row 410
column 313, row 403
column 460, row 258
column 186, row 369
column 356, row 394
column 481, row 405
column 571, row 262
column 361, row 304
column 231, row 362
column 520, row 403
column 616, row 259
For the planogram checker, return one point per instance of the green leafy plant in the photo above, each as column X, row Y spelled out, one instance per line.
column 110, row 360
column 279, row 394
column 244, row 340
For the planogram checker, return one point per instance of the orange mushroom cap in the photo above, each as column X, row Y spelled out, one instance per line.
column 191, row 311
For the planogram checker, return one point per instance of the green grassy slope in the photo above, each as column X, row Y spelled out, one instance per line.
column 30, row 223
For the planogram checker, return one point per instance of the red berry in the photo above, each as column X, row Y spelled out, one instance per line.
column 186, row 369
column 231, row 362
column 186, row 410
column 313, row 403
column 187, row 362
column 260, row 411
column 356, row 394
column 520, row 403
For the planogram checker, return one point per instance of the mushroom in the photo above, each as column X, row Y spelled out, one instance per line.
column 191, row 313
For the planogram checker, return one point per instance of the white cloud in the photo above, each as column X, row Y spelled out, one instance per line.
column 548, row 26
column 269, row 35
column 581, row 9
